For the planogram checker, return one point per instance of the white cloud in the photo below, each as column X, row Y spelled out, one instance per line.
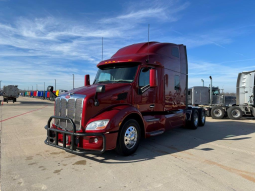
column 224, row 76
column 44, row 49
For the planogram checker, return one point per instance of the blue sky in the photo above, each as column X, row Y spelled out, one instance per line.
column 45, row 40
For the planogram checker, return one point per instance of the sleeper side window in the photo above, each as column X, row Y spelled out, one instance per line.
column 175, row 52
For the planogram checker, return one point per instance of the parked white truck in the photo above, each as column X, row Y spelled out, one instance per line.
column 224, row 106
column 10, row 92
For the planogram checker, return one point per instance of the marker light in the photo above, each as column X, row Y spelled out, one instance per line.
column 97, row 125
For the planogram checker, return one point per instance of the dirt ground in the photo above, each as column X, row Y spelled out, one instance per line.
column 218, row 156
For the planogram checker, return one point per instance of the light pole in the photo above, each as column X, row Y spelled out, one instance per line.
column 55, row 85
column 73, row 81
column 0, row 84
column 44, row 91
column 203, row 82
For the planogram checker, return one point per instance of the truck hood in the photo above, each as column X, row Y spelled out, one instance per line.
column 112, row 88
column 115, row 94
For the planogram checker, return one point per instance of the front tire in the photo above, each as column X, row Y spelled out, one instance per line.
column 217, row 112
column 235, row 113
column 129, row 138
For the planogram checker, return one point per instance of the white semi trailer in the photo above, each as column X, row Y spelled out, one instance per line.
column 10, row 92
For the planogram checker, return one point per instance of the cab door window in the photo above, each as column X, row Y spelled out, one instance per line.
column 144, row 79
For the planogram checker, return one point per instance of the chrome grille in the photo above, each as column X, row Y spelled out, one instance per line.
column 63, row 112
column 71, row 108
column 57, row 110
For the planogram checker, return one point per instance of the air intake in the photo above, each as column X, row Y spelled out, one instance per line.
column 71, row 108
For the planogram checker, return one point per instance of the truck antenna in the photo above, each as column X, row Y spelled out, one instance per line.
column 148, row 42
column 102, row 48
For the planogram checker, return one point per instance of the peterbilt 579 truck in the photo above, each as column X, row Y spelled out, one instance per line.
column 141, row 91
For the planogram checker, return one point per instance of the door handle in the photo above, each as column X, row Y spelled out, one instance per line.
column 152, row 106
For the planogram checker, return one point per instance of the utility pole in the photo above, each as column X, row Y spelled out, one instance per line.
column 55, row 85
column 73, row 81
column 203, row 82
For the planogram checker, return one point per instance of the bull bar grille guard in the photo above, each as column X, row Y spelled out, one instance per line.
column 73, row 134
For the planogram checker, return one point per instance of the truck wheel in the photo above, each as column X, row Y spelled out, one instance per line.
column 129, row 138
column 235, row 113
column 217, row 112
column 194, row 120
column 253, row 112
column 202, row 118
column 4, row 99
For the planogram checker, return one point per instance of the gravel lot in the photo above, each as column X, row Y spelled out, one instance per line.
column 218, row 156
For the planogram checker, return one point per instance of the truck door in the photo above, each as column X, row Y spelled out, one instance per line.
column 145, row 97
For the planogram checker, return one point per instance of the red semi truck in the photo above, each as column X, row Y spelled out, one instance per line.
column 141, row 91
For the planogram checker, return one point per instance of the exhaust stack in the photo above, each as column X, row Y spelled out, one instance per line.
column 210, row 90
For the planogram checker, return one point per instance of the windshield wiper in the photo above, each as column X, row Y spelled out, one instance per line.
column 119, row 81
column 104, row 81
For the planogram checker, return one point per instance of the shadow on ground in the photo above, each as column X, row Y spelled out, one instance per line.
column 36, row 102
column 179, row 140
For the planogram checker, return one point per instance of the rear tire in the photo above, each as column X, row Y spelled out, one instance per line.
column 202, row 118
column 217, row 112
column 253, row 112
column 193, row 124
column 129, row 138
column 235, row 113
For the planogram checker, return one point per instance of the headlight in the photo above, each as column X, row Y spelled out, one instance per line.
column 97, row 125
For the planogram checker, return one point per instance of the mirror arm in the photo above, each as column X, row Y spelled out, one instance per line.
column 50, row 89
column 99, row 89
column 96, row 103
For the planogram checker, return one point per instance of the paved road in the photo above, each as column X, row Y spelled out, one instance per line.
column 218, row 156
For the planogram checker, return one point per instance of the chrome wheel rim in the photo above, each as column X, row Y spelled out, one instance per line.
column 236, row 113
column 130, row 137
column 217, row 112
column 195, row 119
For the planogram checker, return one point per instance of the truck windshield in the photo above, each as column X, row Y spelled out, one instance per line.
column 116, row 74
